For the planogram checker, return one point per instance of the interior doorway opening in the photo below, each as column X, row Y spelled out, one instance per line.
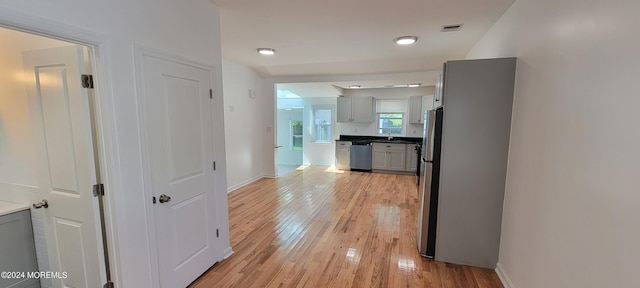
column 48, row 150
column 290, row 137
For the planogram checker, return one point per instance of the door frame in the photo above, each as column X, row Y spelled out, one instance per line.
column 103, row 107
column 140, row 52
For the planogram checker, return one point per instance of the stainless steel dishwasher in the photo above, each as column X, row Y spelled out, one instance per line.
column 360, row 156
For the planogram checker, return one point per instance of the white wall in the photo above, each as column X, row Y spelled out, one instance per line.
column 243, row 124
column 572, row 206
column 314, row 153
column 317, row 153
column 17, row 156
column 187, row 29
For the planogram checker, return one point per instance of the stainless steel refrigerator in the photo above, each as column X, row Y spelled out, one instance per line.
column 429, row 182
column 464, row 165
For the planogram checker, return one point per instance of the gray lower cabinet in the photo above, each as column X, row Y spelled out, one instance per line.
column 412, row 158
column 388, row 156
column 18, row 250
column 343, row 155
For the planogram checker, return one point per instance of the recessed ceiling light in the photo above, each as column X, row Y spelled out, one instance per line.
column 405, row 40
column 266, row 51
column 354, row 86
column 414, row 85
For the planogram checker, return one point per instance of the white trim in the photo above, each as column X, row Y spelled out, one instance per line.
column 404, row 125
column 140, row 52
column 290, row 164
column 48, row 28
column 244, row 183
column 332, row 125
column 506, row 282
column 98, row 45
column 227, row 252
column 147, row 193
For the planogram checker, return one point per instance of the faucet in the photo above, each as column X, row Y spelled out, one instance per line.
column 389, row 137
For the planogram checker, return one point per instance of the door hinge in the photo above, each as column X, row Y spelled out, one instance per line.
column 98, row 190
column 210, row 93
column 109, row 284
column 87, row 81
column 214, row 165
column 217, row 233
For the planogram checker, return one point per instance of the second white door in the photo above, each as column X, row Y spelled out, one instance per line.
column 178, row 120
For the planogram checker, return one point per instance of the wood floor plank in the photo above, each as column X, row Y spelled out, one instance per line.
column 319, row 227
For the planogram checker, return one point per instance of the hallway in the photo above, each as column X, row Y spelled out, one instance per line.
column 323, row 228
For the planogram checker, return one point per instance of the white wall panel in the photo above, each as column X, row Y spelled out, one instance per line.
column 571, row 202
column 121, row 24
column 244, row 128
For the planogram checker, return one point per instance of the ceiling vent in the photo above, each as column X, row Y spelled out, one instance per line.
column 450, row 28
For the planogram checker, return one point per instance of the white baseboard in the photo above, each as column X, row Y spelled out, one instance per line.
column 244, row 183
column 227, row 252
column 506, row 282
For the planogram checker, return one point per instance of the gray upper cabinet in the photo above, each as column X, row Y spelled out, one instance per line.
column 355, row 109
column 478, row 99
column 415, row 110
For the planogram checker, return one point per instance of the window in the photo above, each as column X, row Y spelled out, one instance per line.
column 296, row 135
column 323, row 118
column 390, row 123
column 390, row 116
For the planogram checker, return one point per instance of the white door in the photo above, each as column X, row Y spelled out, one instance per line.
column 59, row 110
column 178, row 122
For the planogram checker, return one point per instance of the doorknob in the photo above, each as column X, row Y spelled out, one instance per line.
column 279, row 146
column 164, row 198
column 43, row 203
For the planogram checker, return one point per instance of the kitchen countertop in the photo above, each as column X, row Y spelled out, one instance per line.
column 9, row 207
column 380, row 139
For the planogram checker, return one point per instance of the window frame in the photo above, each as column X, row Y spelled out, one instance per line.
column 403, row 118
column 293, row 136
column 403, row 112
column 331, row 125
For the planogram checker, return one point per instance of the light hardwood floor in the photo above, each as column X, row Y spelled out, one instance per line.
column 321, row 228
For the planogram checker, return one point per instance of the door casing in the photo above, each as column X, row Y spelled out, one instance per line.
column 97, row 46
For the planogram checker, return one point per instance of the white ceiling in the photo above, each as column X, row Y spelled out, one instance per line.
column 346, row 39
column 351, row 37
